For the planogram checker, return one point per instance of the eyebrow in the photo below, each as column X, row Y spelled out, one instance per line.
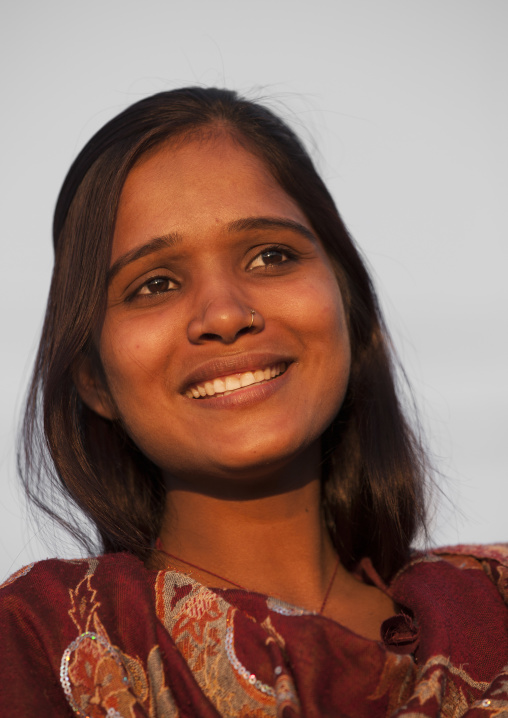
column 238, row 225
column 154, row 245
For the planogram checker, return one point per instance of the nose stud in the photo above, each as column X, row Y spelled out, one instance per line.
column 252, row 312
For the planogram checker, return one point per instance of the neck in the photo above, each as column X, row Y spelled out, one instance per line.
column 272, row 542
column 276, row 544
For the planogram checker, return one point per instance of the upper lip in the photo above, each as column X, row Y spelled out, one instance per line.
column 233, row 364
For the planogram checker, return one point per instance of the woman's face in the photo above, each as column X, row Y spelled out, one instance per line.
column 204, row 234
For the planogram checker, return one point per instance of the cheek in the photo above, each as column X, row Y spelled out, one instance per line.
column 321, row 303
column 319, row 315
column 336, row 354
column 132, row 354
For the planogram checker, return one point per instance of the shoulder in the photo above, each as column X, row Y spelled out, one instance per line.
column 463, row 556
column 63, row 570
column 52, row 607
column 46, row 586
column 45, row 605
column 496, row 553
column 49, row 579
column 454, row 569
column 41, row 571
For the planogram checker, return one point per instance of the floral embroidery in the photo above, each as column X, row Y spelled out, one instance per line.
column 396, row 680
column 97, row 676
column 99, row 679
column 434, row 686
column 197, row 620
column 84, row 603
column 161, row 698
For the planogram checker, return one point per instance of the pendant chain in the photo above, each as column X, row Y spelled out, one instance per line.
column 158, row 546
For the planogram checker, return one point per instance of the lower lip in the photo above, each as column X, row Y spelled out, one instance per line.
column 246, row 396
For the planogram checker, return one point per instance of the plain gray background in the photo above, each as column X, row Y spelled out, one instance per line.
column 404, row 106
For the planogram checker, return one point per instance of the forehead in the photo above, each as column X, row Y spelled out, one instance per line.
column 194, row 187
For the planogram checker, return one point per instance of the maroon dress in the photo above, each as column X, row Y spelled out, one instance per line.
column 107, row 637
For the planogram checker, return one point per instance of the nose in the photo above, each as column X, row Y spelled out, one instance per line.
column 223, row 318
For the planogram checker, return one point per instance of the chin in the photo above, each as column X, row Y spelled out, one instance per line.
column 258, row 472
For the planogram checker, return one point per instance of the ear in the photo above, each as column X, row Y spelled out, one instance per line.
column 92, row 389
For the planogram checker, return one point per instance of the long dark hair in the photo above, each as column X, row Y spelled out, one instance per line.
column 374, row 467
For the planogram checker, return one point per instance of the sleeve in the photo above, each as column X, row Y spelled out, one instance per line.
column 492, row 558
column 30, row 684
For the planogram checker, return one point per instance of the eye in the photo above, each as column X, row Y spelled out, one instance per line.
column 271, row 257
column 156, row 285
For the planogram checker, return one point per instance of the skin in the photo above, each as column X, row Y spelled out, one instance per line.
column 203, row 235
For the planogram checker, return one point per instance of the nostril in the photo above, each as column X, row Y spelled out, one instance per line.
column 245, row 330
column 224, row 322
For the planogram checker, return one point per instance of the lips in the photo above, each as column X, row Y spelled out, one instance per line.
column 224, row 385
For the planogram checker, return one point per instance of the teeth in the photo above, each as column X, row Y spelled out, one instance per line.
column 219, row 386
column 247, row 379
column 225, row 385
column 232, row 383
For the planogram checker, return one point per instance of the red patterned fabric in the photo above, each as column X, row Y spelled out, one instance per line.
column 107, row 637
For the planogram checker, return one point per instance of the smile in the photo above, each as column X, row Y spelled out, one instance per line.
column 224, row 385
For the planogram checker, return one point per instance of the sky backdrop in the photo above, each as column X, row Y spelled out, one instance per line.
column 404, row 107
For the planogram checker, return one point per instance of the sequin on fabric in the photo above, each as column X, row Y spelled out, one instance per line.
column 240, row 668
column 22, row 572
column 64, row 671
column 198, row 619
column 201, row 652
column 286, row 609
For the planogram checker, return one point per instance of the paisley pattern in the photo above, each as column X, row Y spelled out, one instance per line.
column 201, row 623
column 107, row 637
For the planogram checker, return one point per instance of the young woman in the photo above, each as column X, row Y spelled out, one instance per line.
column 214, row 389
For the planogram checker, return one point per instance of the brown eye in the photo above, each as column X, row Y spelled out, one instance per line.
column 271, row 257
column 156, row 285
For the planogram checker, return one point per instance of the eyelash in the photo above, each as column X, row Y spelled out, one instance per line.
column 286, row 254
column 275, row 249
column 151, row 281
